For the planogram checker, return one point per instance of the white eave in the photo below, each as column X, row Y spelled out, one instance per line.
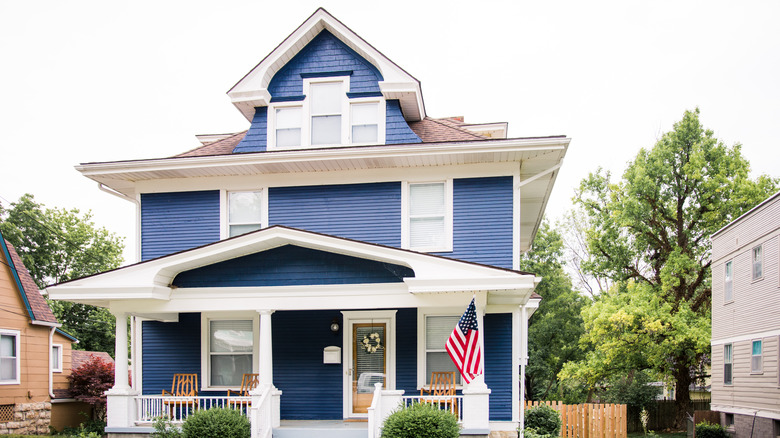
column 152, row 280
column 537, row 159
column 252, row 90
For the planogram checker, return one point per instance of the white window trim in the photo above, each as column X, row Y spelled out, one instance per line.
column 727, row 281
column 17, row 335
column 406, row 221
column 58, row 347
column 422, row 372
column 752, row 263
column 731, row 382
column 205, row 363
column 224, row 208
column 761, row 361
column 346, row 115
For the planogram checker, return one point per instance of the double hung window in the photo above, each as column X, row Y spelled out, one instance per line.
column 326, row 116
column 230, row 351
column 756, row 362
column 728, row 284
column 728, row 363
column 428, row 221
column 9, row 357
column 437, row 331
column 244, row 212
column 758, row 271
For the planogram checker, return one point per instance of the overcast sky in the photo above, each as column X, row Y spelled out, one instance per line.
column 87, row 81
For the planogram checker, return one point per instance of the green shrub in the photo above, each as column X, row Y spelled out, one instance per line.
column 709, row 430
column 216, row 423
column 543, row 421
column 164, row 429
column 421, row 420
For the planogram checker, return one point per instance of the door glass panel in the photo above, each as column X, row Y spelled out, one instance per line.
column 369, row 363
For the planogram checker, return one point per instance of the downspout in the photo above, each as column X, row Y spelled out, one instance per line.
column 120, row 195
column 53, row 326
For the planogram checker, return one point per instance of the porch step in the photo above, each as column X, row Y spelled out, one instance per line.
column 321, row 429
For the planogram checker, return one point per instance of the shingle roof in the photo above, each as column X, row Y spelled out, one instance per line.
column 429, row 130
column 38, row 308
column 80, row 357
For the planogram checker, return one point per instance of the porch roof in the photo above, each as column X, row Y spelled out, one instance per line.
column 148, row 286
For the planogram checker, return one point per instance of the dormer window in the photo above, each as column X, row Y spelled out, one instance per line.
column 325, row 116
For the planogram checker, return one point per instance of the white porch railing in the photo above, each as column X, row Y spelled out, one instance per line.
column 453, row 404
column 387, row 401
column 176, row 409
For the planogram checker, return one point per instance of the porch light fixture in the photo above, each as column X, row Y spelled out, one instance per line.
column 334, row 325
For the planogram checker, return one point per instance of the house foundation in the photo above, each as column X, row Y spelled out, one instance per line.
column 28, row 419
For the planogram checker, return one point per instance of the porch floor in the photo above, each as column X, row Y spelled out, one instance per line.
column 321, row 429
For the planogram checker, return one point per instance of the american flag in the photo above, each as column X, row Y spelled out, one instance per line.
column 463, row 345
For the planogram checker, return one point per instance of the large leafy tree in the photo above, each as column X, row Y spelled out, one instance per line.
column 557, row 325
column 57, row 245
column 649, row 233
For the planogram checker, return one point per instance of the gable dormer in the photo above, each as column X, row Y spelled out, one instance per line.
column 324, row 86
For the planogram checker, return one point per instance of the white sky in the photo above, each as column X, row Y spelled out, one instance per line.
column 86, row 81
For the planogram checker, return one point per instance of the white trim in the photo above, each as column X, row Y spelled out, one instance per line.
column 406, row 216
column 137, row 353
column 349, row 318
column 17, row 338
column 205, row 363
column 748, row 337
column 516, row 215
column 751, row 412
column 59, row 358
column 224, row 209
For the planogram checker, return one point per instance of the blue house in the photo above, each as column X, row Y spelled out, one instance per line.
column 330, row 248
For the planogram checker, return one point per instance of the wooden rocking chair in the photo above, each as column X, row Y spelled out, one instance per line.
column 183, row 385
column 441, row 391
column 248, row 383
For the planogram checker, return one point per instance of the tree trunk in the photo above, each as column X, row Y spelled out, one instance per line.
column 682, row 396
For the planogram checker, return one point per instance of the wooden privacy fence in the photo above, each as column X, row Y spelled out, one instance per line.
column 589, row 420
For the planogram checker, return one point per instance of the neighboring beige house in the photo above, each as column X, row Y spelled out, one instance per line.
column 746, row 321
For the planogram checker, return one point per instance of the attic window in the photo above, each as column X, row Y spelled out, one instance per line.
column 326, row 117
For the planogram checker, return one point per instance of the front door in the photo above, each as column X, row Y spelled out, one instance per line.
column 369, row 348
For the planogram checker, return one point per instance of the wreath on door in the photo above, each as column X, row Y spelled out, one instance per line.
column 372, row 342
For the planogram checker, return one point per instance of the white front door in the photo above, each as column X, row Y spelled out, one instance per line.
column 369, row 358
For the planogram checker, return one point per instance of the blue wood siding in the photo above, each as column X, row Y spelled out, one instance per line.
column 498, row 364
column 323, row 55
column 367, row 212
column 311, row 390
column 482, row 221
column 406, row 351
column 291, row 265
column 172, row 222
column 169, row 348
column 256, row 136
column 397, row 131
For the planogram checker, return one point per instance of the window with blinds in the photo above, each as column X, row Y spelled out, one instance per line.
column 231, row 343
column 244, row 212
column 428, row 216
column 437, row 331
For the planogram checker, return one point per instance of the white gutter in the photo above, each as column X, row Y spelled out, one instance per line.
column 54, row 326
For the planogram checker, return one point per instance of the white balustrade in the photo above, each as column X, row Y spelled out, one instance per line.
column 176, row 409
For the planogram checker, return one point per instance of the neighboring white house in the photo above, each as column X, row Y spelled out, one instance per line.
column 746, row 321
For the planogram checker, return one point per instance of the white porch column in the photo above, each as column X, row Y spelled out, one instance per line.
column 523, row 361
column 266, row 370
column 120, row 399
column 476, row 395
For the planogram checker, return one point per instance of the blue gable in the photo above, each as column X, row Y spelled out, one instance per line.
column 255, row 139
column 291, row 265
column 172, row 222
column 324, row 55
column 397, row 131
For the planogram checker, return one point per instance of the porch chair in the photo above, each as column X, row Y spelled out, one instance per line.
column 183, row 385
column 441, row 391
column 248, row 383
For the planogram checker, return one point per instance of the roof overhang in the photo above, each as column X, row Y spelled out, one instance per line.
column 147, row 286
column 535, row 158
column 252, row 90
